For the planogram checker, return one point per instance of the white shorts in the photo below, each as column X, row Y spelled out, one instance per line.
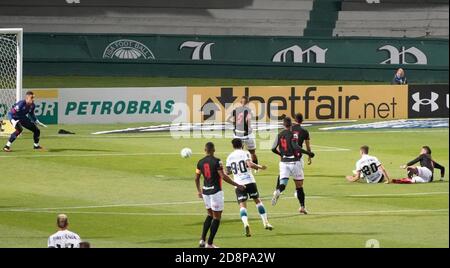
column 424, row 175
column 248, row 141
column 215, row 202
column 294, row 169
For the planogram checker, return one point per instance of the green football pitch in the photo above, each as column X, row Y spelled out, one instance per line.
column 134, row 190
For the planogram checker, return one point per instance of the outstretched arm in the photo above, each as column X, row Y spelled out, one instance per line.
column 441, row 168
column 227, row 179
column 386, row 175
column 300, row 149
column 355, row 177
column 412, row 162
column 252, row 165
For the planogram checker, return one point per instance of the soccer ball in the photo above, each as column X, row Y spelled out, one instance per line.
column 186, row 152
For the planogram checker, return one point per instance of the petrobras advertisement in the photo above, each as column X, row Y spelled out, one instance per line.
column 108, row 105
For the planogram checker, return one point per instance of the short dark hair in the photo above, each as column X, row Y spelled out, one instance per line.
column 245, row 98
column 29, row 93
column 364, row 149
column 287, row 122
column 209, row 147
column 237, row 143
column 299, row 118
column 62, row 221
column 427, row 148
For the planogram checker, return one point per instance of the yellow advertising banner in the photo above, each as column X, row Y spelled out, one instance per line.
column 314, row 102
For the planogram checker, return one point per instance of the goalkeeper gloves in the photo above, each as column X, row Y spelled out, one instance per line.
column 14, row 122
column 39, row 123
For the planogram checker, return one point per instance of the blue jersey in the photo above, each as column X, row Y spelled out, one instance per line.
column 22, row 111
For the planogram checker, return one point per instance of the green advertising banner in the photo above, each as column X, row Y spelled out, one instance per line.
column 207, row 56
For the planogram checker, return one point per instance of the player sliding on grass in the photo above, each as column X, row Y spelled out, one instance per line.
column 370, row 168
column 212, row 170
column 22, row 116
column 286, row 146
column 423, row 173
column 239, row 164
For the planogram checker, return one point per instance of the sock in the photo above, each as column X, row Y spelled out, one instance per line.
column 13, row 136
column 214, row 228
column 8, row 144
column 301, row 196
column 281, row 187
column 206, row 226
column 244, row 216
column 262, row 213
column 278, row 183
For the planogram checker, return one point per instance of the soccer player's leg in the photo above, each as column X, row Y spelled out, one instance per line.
column 13, row 137
column 251, row 147
column 207, row 222
column 217, row 205
column 298, row 179
column 253, row 192
column 285, row 172
column 36, row 132
column 242, row 198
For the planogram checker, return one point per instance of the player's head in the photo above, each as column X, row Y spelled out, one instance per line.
column 364, row 149
column 210, row 148
column 62, row 221
column 237, row 143
column 400, row 73
column 425, row 150
column 29, row 97
column 244, row 100
column 287, row 122
column 299, row 118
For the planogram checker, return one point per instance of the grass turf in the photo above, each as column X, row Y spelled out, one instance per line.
column 117, row 81
column 135, row 191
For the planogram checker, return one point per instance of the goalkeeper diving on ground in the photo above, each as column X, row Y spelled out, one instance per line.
column 22, row 116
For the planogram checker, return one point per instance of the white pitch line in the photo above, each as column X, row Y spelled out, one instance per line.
column 400, row 194
column 201, row 202
column 330, row 149
column 335, row 213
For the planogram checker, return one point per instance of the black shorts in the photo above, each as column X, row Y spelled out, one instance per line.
column 251, row 191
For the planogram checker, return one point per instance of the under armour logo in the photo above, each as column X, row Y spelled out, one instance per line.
column 202, row 50
column 419, row 102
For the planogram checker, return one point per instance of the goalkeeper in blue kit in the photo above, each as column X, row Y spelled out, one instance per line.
column 22, row 116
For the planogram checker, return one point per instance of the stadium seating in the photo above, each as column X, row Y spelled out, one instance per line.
column 394, row 18
column 389, row 18
column 218, row 17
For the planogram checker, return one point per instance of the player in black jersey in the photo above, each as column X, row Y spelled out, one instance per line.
column 211, row 169
column 302, row 136
column 287, row 147
column 242, row 121
column 423, row 173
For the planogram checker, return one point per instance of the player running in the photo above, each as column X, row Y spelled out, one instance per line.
column 212, row 170
column 63, row 238
column 370, row 168
column 22, row 116
column 240, row 165
column 286, row 146
column 423, row 173
column 242, row 121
